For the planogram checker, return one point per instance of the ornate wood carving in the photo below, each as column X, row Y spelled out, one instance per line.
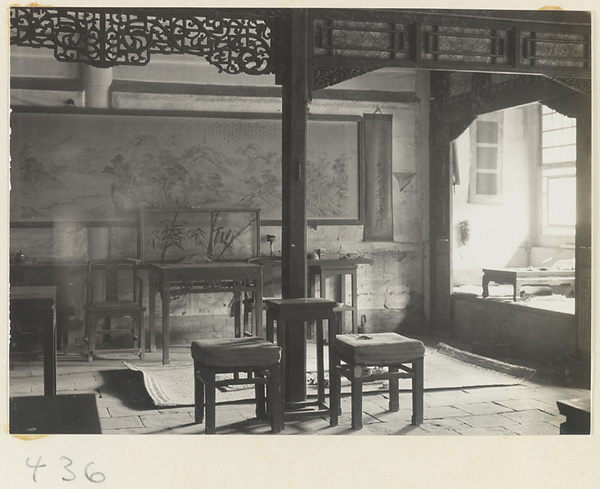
column 109, row 37
column 459, row 41
column 327, row 76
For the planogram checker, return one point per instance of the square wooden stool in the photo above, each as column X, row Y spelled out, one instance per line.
column 389, row 351
column 256, row 356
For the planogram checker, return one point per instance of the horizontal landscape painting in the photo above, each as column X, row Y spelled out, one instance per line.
column 90, row 166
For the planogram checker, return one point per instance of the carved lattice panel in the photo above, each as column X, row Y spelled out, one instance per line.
column 109, row 37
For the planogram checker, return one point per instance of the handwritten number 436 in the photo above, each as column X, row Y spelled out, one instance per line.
column 95, row 477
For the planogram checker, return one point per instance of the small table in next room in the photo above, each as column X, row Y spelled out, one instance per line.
column 518, row 277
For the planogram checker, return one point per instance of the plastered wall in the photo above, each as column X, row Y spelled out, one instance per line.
column 392, row 292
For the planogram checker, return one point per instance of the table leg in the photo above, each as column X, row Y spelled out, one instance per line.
column 50, row 354
column 270, row 333
column 237, row 310
column 320, row 363
column 517, row 288
column 334, row 378
column 342, row 276
column 417, row 392
column 312, row 290
column 151, row 313
column 354, row 302
column 258, row 309
column 485, row 285
column 166, row 329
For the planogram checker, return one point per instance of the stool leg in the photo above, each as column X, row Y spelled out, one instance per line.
column 259, row 390
column 198, row 394
column 210, row 393
column 275, row 399
column 320, row 363
column 417, row 391
column 93, row 319
column 335, row 389
column 356, row 387
column 394, row 397
column 237, row 323
column 141, row 336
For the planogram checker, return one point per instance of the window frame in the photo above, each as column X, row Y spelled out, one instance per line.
column 475, row 169
column 554, row 170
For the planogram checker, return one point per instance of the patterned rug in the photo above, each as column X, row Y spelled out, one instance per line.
column 445, row 368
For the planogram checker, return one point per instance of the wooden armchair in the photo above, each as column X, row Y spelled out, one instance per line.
column 113, row 290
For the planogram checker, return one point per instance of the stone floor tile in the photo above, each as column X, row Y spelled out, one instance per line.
column 174, row 419
column 413, row 431
column 390, row 427
column 342, row 429
column 176, row 409
column 489, row 421
column 440, row 412
column 484, row 408
column 117, row 410
column 452, row 425
column 103, row 412
column 308, row 426
column 123, row 422
column 528, row 403
column 493, row 431
column 400, row 416
column 536, row 428
column 532, row 416
column 446, row 398
column 498, row 393
column 190, row 429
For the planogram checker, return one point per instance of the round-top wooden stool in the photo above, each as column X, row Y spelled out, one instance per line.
column 401, row 356
column 256, row 356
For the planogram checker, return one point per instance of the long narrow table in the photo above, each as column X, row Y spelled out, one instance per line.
column 31, row 307
column 191, row 278
column 517, row 277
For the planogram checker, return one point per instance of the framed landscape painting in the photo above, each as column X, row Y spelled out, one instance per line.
column 99, row 165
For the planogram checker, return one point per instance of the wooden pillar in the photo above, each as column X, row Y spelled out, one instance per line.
column 440, row 208
column 440, row 213
column 96, row 85
column 294, row 119
column 583, row 238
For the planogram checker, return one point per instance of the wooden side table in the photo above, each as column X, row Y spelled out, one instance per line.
column 196, row 278
column 289, row 314
column 339, row 269
column 36, row 305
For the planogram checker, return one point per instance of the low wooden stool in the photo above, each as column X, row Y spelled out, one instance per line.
column 254, row 355
column 385, row 350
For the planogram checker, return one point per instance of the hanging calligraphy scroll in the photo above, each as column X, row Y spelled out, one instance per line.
column 378, row 220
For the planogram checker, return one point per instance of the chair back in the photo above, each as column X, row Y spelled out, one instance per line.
column 271, row 274
column 112, row 280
